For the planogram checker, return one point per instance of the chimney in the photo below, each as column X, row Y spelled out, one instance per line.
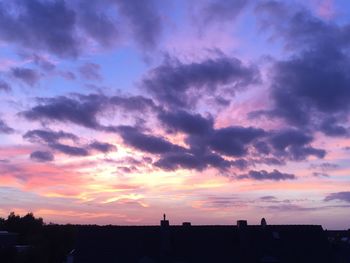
column 186, row 224
column 165, row 239
column 164, row 222
column 263, row 222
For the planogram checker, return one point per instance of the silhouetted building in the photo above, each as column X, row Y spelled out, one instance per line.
column 263, row 222
column 164, row 222
column 242, row 223
column 7, row 239
column 165, row 243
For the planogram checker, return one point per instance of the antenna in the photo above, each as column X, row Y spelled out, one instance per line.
column 164, row 216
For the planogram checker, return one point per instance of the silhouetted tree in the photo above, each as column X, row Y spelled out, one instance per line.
column 2, row 223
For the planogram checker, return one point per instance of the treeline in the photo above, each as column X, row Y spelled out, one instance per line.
column 44, row 242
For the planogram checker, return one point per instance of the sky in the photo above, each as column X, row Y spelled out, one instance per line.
column 211, row 111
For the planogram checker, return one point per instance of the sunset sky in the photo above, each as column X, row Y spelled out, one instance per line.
column 117, row 111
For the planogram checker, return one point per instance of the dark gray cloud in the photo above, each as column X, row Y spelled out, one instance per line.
column 233, row 141
column 53, row 140
column 292, row 207
column 185, row 122
column 102, row 147
column 48, row 136
column 26, row 75
column 206, row 146
column 294, row 144
column 66, row 28
column 67, row 75
column 149, row 143
column 330, row 127
column 275, row 175
column 42, row 156
column 90, row 71
column 192, row 160
column 4, row 86
column 298, row 27
column 69, row 150
column 221, row 10
column 268, row 198
column 47, row 25
column 43, row 63
column 318, row 174
column 134, row 103
column 4, row 128
column 143, row 19
column 304, row 93
column 324, row 166
column 98, row 25
column 175, row 84
column 341, row 196
column 84, row 110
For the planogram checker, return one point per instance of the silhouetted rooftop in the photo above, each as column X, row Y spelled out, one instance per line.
column 272, row 243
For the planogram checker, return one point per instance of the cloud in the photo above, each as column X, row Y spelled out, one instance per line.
column 134, row 103
column 67, row 75
column 331, row 128
column 97, row 24
column 341, row 196
column 48, row 136
column 191, row 160
column 305, row 94
column 185, row 122
column 90, row 71
column 294, row 144
column 291, row 207
column 325, row 166
column 149, row 143
column 317, row 174
column 43, row 62
column 175, row 84
column 221, row 10
column 4, row 86
column 68, row 28
column 84, row 110
column 268, row 198
column 144, row 21
column 26, row 75
column 42, row 156
column 4, row 128
column 48, row 25
column 69, row 150
column 233, row 141
column 275, row 175
column 102, row 147
column 52, row 140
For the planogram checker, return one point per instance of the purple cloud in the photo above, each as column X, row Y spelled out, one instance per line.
column 341, row 196
column 4, row 128
column 90, row 71
column 42, row 156
column 26, row 75
column 174, row 84
column 275, row 175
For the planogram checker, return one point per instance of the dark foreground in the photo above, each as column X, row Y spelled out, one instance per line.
column 36, row 242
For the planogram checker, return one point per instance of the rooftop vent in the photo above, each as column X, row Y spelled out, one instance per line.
column 242, row 223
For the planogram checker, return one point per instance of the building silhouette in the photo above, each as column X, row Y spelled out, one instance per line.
column 188, row 243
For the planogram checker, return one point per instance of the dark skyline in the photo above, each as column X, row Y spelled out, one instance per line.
column 113, row 112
